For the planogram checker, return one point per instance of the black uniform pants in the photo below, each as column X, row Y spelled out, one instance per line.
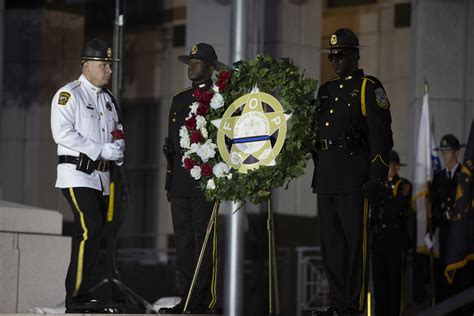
column 190, row 220
column 343, row 219
column 89, row 208
column 387, row 262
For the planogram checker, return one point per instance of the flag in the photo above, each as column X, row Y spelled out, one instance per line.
column 426, row 164
column 460, row 249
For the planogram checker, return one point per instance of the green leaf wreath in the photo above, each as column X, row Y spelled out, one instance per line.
column 296, row 94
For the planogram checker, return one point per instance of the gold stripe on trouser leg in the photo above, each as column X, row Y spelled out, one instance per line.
column 214, row 267
column 364, row 254
column 80, row 257
column 110, row 209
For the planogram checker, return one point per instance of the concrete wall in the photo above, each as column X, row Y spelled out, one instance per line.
column 443, row 54
column 34, row 258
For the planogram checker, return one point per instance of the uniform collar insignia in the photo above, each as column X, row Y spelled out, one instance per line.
column 354, row 93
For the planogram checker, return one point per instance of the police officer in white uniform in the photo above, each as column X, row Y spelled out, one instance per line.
column 83, row 116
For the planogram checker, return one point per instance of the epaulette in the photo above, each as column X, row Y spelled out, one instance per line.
column 181, row 91
column 72, row 85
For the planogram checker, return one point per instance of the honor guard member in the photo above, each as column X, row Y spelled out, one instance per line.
column 83, row 115
column 354, row 138
column 443, row 196
column 389, row 231
column 190, row 210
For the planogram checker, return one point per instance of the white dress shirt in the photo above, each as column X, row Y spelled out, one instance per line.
column 82, row 119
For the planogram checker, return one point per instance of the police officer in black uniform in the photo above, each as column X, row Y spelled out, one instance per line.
column 389, row 240
column 354, row 138
column 443, row 195
column 190, row 210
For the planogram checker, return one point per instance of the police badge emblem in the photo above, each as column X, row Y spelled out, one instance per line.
column 109, row 52
column 381, row 98
column 245, row 141
column 194, row 50
column 333, row 39
column 63, row 97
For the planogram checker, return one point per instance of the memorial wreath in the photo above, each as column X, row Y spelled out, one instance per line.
column 271, row 79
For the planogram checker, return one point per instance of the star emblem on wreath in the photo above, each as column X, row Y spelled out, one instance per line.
column 254, row 137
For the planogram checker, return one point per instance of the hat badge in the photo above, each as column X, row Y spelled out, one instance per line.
column 109, row 52
column 333, row 39
column 194, row 50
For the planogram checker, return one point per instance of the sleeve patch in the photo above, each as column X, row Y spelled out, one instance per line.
column 63, row 97
column 381, row 98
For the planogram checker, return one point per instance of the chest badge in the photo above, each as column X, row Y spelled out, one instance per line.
column 108, row 106
column 355, row 93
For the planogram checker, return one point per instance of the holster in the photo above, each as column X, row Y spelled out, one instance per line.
column 352, row 139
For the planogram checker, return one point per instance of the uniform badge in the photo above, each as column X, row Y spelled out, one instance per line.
column 63, row 98
column 333, row 39
column 108, row 106
column 354, row 93
column 381, row 98
column 109, row 52
column 194, row 50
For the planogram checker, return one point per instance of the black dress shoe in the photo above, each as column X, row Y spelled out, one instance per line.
column 205, row 310
column 90, row 306
column 177, row 309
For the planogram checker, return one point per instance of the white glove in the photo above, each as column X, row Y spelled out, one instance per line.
column 111, row 151
column 121, row 143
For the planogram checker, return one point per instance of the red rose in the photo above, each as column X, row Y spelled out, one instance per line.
column 196, row 137
column 202, row 110
column 189, row 164
column 118, row 134
column 190, row 122
column 224, row 75
column 203, row 97
column 206, row 170
column 222, row 85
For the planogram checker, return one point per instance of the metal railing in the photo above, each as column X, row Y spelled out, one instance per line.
column 312, row 284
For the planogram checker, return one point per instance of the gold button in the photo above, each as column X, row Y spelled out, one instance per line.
column 327, row 124
column 103, row 130
column 331, row 111
column 174, row 120
column 336, row 98
column 348, row 104
column 349, row 77
column 341, row 86
column 174, row 113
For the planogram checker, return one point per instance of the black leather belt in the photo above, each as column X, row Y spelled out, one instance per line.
column 325, row 144
column 99, row 165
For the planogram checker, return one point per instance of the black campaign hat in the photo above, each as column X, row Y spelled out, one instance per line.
column 394, row 157
column 97, row 49
column 343, row 38
column 204, row 52
column 449, row 141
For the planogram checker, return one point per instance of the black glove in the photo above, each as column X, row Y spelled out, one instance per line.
column 373, row 190
column 168, row 150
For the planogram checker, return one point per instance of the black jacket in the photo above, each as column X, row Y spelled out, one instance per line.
column 354, row 107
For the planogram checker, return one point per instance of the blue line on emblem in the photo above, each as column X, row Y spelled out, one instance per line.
column 250, row 139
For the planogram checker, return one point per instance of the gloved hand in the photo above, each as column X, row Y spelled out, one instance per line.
column 111, row 151
column 121, row 143
column 372, row 190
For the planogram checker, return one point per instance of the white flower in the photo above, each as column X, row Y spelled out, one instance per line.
column 184, row 141
column 194, row 107
column 194, row 148
column 221, row 169
column 229, row 176
column 200, row 122
column 186, row 155
column 196, row 172
column 206, row 151
column 215, row 88
column 210, row 185
column 217, row 101
column 204, row 132
column 235, row 158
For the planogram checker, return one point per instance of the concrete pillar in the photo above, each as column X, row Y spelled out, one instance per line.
column 443, row 54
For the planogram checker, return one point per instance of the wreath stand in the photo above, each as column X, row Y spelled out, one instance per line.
column 272, row 265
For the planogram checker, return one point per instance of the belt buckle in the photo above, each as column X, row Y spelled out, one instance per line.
column 324, row 144
column 102, row 165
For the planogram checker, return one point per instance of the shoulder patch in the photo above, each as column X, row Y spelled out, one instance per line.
column 381, row 98
column 186, row 89
column 63, row 97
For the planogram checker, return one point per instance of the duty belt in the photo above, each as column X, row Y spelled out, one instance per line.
column 325, row 144
column 99, row 165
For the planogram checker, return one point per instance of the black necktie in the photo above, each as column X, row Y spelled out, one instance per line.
column 449, row 174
